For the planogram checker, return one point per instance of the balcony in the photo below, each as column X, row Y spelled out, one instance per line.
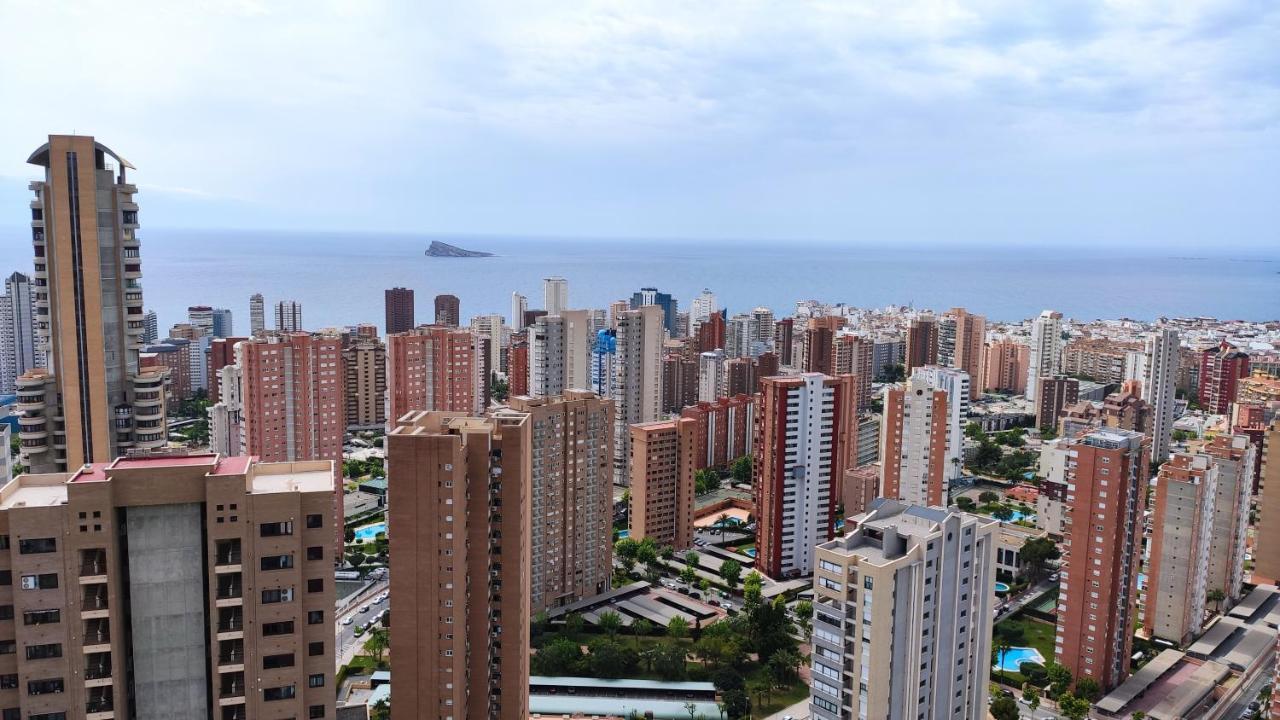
column 231, row 653
column 97, row 666
column 227, row 557
column 230, row 620
column 231, row 686
column 233, row 712
column 97, row 632
column 93, row 566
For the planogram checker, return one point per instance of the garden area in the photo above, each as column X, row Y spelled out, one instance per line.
column 753, row 658
column 1000, row 455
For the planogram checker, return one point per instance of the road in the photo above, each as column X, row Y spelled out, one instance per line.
column 345, row 641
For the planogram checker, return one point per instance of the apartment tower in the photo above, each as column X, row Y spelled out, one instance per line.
column 257, row 314
column 804, row 429
column 914, row 433
column 571, row 544
column 1182, row 525
column 459, row 525
column 922, row 342
column 1266, row 553
column 94, row 402
column 1221, row 368
column 399, row 309
column 1053, row 393
column 1045, row 356
column 433, row 368
column 18, row 347
column 922, row 649
column 1006, row 367
column 1234, row 457
column 637, row 379
column 967, row 338
column 1106, row 497
column 183, row 586
column 663, row 458
column 555, row 295
column 955, row 383
column 364, row 362
column 560, row 353
column 448, row 310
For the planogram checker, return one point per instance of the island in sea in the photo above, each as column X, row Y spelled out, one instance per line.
column 440, row 249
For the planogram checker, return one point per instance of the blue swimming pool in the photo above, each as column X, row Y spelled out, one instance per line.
column 1019, row 515
column 751, row 552
column 1013, row 657
column 624, row 533
column 369, row 532
column 1002, row 588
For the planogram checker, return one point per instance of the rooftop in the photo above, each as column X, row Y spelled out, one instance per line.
column 283, row 477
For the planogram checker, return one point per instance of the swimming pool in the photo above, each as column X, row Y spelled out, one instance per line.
column 750, row 552
column 1002, row 588
column 1019, row 515
column 623, row 534
column 1012, row 658
column 369, row 532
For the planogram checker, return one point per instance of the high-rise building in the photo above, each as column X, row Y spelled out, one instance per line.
column 739, row 377
column 226, row 414
column 680, row 381
column 1266, row 552
column 571, row 545
column 18, row 348
column 94, row 403
column 150, row 328
column 922, row 342
column 447, row 310
column 603, row 372
column 1045, row 356
column 661, row 462
column 1181, row 527
column 761, row 328
column 818, row 340
column 804, row 431
column 1006, row 367
column 459, row 526
column 784, row 341
column 1159, row 383
column 222, row 352
column 702, row 308
column 555, row 295
column 738, row 336
column 767, row 365
column 1234, row 457
column 711, row 333
column 913, row 443
column 519, row 306
column 711, row 380
column 651, row 296
column 967, row 339
column 930, row 572
column 1221, row 368
column 1122, row 409
column 223, row 323
column 560, row 353
column 364, row 361
column 195, row 586
column 1101, row 360
column 859, row 486
column 637, row 380
column 399, row 307
column 955, row 383
column 176, row 356
column 725, row 430
column 200, row 317
column 518, row 365
column 494, row 330
column 1106, row 497
column 854, row 355
column 433, row 368
column 288, row 316
column 1053, row 393
column 257, row 314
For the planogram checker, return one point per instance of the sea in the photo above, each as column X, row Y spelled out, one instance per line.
column 340, row 277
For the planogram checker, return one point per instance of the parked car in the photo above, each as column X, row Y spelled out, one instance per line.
column 348, row 620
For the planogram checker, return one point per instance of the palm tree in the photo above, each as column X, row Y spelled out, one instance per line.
column 1216, row 596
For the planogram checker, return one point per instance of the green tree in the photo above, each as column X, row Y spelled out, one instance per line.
column 966, row 504
column 688, row 575
column 381, row 710
column 706, row 480
column 610, row 659
column 1032, row 695
column 669, row 661
column 376, row 645
column 752, row 587
column 1216, row 596
column 561, row 656
column 691, row 558
column 541, row 622
column 974, row 431
column 1048, row 433
column 1073, row 707
column 498, row 387
column 573, row 624
column 1002, row 513
column 741, row 469
column 736, row 703
column 1059, row 679
column 986, row 497
column 641, row 627
column 610, row 622
column 677, row 627
column 731, row 572
column 783, row 668
column 1004, row 708
column 704, row 585
column 1088, row 689
column 1036, row 554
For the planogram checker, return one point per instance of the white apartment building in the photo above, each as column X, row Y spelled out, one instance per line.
column 956, row 384
column 1160, row 375
column 555, row 295
column 711, row 379
column 560, row 353
column 1046, row 349
column 637, row 388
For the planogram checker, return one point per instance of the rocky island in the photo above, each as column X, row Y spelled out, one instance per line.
column 440, row 249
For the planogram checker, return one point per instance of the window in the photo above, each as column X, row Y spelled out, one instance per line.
column 277, row 562
column 50, row 686
column 40, row 617
column 284, row 627
column 277, row 595
column 9, row 682
column 315, row 521
column 315, row 711
column 37, row 545
column 6, row 612
column 47, row 716
column 271, row 662
column 315, row 585
column 315, row 648
column 285, row 692
column 44, row 581
column 8, row 647
column 315, row 552
column 4, row 542
column 276, row 529
column 316, row 680
column 42, row 652
column 315, row 617
column 6, row 577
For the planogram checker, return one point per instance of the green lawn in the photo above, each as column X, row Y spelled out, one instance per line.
column 1039, row 635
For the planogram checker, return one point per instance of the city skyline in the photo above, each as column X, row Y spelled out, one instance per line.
column 1048, row 124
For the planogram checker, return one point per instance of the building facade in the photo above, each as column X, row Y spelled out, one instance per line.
column 956, row 384
column 1045, row 356
column 448, row 310
column 913, row 443
column 433, row 368
column 662, row 458
column 1221, row 368
column 364, row 364
column 1181, row 528
column 19, row 351
column 637, row 379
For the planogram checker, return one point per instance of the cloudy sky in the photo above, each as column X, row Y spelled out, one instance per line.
column 963, row 121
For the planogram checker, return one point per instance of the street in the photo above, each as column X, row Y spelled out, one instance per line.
column 346, row 643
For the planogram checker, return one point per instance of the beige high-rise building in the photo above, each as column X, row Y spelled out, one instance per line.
column 638, row 379
column 459, row 525
column 560, row 353
column 1182, row 525
column 571, row 544
column 1045, row 355
column 1006, row 367
column 1266, row 553
column 93, row 402
column 962, row 345
column 902, row 616
column 1234, row 456
column 913, row 443
column 364, row 360
column 176, row 586
column 663, row 459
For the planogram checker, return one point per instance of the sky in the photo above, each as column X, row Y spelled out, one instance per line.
column 1100, row 124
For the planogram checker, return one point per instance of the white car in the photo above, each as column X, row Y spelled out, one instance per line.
column 363, row 610
column 347, row 620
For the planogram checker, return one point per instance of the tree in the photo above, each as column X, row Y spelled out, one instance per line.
column 1048, row 433
column 1088, row 689
column 783, row 668
column 677, row 627
column 974, row 431
column 706, row 480
column 731, row 571
column 691, row 558
column 1139, row 715
column 381, row 710
column 1032, row 695
column 1216, row 596
column 752, row 587
column 499, row 387
column 666, row 552
column 669, row 661
column 641, row 627
column 377, row 644
column 573, row 623
column 1002, row 512
column 688, row 575
column 986, row 496
column 1073, row 707
column 736, row 703
column 704, row 585
column 1004, row 708
column 610, row 622
column 1036, row 554
column 966, row 504
column 741, row 469
column 540, row 623
column 610, row 659
column 1059, row 679
column 561, row 656
column 626, row 548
